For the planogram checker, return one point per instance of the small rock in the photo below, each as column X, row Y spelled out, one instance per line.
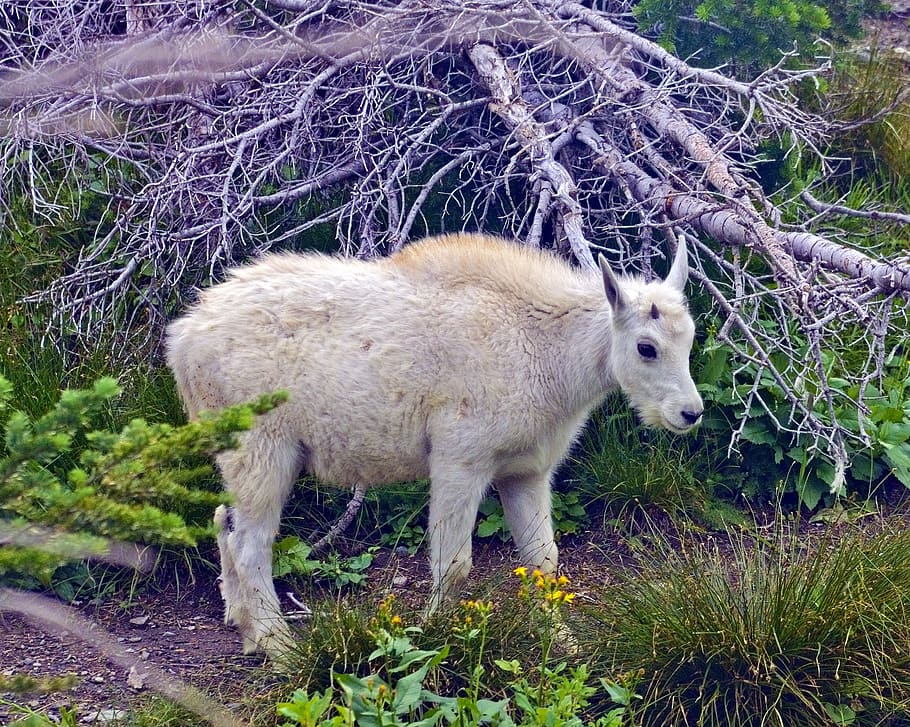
column 136, row 678
column 104, row 716
column 134, row 639
column 399, row 581
column 98, row 679
column 139, row 620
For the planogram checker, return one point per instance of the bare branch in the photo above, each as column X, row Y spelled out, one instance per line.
column 514, row 110
column 199, row 134
column 344, row 522
column 825, row 208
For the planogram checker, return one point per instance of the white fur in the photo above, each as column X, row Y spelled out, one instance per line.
column 465, row 359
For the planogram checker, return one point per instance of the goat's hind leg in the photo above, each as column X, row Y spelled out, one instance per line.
column 455, row 495
column 228, row 581
column 259, row 475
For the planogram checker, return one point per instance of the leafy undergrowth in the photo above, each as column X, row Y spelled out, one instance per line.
column 795, row 624
column 454, row 668
column 761, row 630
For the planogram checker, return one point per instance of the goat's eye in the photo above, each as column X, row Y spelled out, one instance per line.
column 646, row 350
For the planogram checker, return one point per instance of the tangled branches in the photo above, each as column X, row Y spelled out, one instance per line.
column 215, row 131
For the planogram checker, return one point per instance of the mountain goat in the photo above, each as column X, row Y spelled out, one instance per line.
column 465, row 358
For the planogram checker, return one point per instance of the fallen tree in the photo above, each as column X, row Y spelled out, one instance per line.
column 215, row 131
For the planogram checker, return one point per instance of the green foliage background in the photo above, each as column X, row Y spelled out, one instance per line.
column 749, row 36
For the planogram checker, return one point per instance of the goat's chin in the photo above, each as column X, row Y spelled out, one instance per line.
column 677, row 429
column 651, row 417
column 654, row 419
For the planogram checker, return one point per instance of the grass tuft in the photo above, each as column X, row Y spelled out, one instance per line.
column 769, row 633
column 633, row 471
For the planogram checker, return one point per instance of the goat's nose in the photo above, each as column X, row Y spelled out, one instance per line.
column 691, row 416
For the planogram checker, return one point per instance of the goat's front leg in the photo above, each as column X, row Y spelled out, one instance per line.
column 527, row 503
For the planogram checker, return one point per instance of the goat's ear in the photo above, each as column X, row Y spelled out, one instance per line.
column 679, row 270
column 611, row 285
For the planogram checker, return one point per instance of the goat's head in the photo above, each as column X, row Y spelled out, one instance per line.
column 652, row 339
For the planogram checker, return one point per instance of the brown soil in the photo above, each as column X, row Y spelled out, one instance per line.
column 892, row 30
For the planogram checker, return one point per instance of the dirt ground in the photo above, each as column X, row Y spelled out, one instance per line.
column 892, row 30
column 181, row 631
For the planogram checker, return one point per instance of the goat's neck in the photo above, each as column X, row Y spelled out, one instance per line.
column 583, row 374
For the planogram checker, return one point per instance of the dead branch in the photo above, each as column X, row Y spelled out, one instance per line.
column 509, row 105
column 210, row 132
column 29, row 535
column 347, row 517
column 824, row 208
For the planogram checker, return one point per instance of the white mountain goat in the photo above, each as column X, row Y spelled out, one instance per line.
column 466, row 359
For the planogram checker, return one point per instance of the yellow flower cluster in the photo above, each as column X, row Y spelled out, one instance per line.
column 386, row 618
column 549, row 588
column 482, row 607
column 473, row 620
column 479, row 609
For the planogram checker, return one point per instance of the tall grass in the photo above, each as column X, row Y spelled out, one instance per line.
column 633, row 472
column 863, row 87
column 767, row 633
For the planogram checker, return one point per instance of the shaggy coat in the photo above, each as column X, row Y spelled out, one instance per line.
column 464, row 359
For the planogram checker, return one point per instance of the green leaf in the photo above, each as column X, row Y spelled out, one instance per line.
column 757, row 432
column 840, row 714
column 304, row 709
column 512, row 667
column 810, row 490
column 898, row 457
column 408, row 691
column 489, row 526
